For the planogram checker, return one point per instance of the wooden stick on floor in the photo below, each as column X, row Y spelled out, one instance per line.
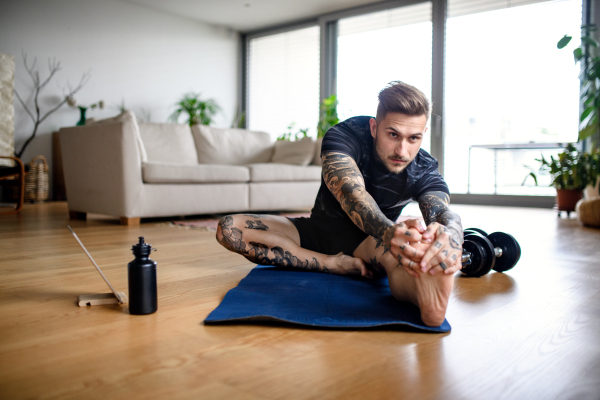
column 97, row 267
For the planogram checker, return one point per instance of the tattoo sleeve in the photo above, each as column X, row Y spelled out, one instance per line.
column 232, row 239
column 435, row 208
column 346, row 183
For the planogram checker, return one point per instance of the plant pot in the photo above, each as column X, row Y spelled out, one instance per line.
column 566, row 199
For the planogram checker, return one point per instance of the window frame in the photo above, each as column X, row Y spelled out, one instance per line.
column 328, row 68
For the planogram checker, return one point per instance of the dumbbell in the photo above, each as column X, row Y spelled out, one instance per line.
column 482, row 252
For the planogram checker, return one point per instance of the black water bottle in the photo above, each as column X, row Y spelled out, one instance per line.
column 141, row 274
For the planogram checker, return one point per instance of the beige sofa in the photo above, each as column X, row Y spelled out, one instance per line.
column 129, row 170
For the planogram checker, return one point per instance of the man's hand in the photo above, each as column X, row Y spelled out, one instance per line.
column 400, row 239
column 444, row 231
column 444, row 251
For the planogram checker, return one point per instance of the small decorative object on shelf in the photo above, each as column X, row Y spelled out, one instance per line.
column 83, row 109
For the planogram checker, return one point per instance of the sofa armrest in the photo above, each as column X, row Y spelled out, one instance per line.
column 102, row 168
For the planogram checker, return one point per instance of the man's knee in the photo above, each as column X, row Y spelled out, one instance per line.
column 229, row 233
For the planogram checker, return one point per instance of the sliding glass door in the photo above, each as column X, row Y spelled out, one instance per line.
column 503, row 94
column 509, row 92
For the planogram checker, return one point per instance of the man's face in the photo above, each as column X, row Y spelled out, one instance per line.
column 397, row 139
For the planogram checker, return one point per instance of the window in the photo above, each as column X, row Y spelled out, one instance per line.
column 377, row 48
column 283, row 82
column 507, row 83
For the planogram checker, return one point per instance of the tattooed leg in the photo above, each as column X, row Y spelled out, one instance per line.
column 274, row 240
column 428, row 292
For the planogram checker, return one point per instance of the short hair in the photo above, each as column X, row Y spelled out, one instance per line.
column 402, row 98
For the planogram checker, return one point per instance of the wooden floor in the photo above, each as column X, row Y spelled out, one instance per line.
column 532, row 333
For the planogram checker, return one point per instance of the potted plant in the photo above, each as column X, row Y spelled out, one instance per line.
column 587, row 54
column 200, row 112
column 299, row 135
column 571, row 172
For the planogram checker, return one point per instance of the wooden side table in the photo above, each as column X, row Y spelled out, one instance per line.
column 508, row 146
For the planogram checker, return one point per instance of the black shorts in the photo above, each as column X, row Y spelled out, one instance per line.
column 327, row 236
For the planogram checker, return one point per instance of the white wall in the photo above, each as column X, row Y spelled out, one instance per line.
column 147, row 58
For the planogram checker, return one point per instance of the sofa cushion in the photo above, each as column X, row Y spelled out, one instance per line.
column 283, row 173
column 317, row 159
column 169, row 143
column 163, row 172
column 129, row 122
column 300, row 152
column 231, row 146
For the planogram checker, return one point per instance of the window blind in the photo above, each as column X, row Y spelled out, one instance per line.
column 385, row 19
column 457, row 8
column 283, row 81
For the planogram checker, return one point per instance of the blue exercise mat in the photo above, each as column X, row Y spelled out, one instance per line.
column 316, row 299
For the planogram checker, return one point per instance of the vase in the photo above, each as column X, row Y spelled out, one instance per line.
column 566, row 199
column 82, row 111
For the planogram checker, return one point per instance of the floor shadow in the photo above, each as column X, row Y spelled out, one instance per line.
column 289, row 325
column 477, row 289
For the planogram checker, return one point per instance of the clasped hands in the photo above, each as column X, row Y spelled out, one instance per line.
column 430, row 249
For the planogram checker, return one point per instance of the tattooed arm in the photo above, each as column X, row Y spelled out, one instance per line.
column 445, row 230
column 346, row 183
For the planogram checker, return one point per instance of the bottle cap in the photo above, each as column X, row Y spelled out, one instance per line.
column 142, row 248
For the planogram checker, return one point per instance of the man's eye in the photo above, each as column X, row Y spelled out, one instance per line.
column 393, row 134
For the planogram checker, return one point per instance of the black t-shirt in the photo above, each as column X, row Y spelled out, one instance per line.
column 392, row 192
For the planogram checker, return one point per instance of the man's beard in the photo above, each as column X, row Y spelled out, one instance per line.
column 381, row 161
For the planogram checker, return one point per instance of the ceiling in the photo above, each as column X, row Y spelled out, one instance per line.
column 249, row 15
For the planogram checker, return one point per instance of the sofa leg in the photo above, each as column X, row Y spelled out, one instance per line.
column 77, row 215
column 130, row 221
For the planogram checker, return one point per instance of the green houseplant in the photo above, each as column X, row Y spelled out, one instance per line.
column 327, row 115
column 199, row 112
column 299, row 135
column 574, row 170
column 571, row 171
column 587, row 54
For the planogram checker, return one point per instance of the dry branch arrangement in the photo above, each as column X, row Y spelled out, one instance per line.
column 38, row 85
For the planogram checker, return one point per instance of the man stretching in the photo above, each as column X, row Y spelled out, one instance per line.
column 372, row 168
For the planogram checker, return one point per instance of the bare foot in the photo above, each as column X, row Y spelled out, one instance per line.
column 433, row 293
column 345, row 265
column 429, row 292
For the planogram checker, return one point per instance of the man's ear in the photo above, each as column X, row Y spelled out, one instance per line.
column 373, row 126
